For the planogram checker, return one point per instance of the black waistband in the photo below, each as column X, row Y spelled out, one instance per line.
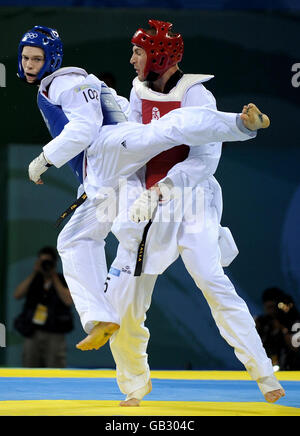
column 71, row 209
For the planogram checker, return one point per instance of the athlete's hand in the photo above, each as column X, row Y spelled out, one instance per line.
column 37, row 167
column 144, row 206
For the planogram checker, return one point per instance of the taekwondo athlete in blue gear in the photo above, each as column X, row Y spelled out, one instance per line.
column 60, row 100
column 49, row 41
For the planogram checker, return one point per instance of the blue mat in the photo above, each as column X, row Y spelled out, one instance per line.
column 30, row 388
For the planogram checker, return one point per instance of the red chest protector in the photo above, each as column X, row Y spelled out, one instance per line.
column 154, row 106
column 158, row 167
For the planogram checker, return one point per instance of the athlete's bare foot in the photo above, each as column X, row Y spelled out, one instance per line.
column 253, row 119
column 273, row 396
column 133, row 402
column 270, row 388
column 134, row 399
column 99, row 335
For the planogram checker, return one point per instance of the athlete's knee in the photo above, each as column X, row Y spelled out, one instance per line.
column 222, row 296
column 216, row 287
column 206, row 276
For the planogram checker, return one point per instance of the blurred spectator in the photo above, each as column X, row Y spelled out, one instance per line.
column 108, row 78
column 275, row 328
column 46, row 314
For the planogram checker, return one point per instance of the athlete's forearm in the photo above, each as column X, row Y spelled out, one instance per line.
column 77, row 135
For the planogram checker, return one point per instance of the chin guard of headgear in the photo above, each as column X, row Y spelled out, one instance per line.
column 163, row 50
column 47, row 39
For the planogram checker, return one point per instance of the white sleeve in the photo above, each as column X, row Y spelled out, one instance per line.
column 135, row 115
column 135, row 107
column 83, row 103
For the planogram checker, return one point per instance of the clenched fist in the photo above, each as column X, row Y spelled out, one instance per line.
column 37, row 167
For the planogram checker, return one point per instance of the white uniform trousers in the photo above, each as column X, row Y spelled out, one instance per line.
column 129, row 344
column 201, row 255
column 81, row 248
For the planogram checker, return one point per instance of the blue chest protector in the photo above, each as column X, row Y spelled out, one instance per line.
column 56, row 120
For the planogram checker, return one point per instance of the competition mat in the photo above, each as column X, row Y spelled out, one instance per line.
column 73, row 392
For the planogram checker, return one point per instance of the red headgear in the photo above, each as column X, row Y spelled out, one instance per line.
column 163, row 50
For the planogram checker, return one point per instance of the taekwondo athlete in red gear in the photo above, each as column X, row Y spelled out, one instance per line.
column 205, row 248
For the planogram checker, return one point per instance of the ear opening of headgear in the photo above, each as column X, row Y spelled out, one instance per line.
column 49, row 41
column 164, row 48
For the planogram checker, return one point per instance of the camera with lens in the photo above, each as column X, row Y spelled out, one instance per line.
column 47, row 265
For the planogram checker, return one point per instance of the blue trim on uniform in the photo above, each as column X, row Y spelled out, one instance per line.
column 112, row 113
column 243, row 128
column 56, row 120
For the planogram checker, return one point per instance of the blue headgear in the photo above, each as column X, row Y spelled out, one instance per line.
column 48, row 40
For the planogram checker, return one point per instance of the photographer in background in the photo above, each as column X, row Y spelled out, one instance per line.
column 46, row 314
column 275, row 328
